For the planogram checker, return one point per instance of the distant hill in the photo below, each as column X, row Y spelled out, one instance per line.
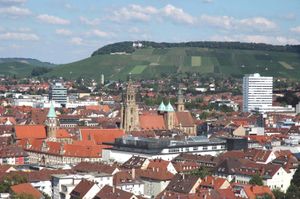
column 115, row 61
column 21, row 67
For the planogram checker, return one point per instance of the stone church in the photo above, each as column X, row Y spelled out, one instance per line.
column 165, row 118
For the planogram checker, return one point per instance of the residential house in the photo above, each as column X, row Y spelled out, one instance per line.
column 26, row 188
column 64, row 184
column 85, row 190
column 109, row 192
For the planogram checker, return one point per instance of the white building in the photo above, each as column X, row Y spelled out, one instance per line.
column 63, row 184
column 58, row 93
column 124, row 148
column 257, row 92
column 298, row 108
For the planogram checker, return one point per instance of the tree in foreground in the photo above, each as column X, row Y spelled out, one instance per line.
column 256, row 180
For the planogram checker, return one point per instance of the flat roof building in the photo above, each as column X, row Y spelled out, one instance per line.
column 166, row 149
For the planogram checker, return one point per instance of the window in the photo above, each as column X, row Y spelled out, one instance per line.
column 195, row 148
column 205, row 148
column 174, row 150
column 214, row 147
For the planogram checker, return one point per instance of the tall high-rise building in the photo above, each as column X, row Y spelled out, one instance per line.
column 58, row 93
column 257, row 92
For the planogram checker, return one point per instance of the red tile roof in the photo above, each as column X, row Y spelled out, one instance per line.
column 30, row 131
column 101, row 135
column 82, row 188
column 158, row 164
column 212, row 182
column 252, row 191
column 152, row 121
column 62, row 133
column 26, row 188
column 159, row 175
column 184, row 119
column 108, row 192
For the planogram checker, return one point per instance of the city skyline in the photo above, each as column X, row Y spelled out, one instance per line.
column 66, row 31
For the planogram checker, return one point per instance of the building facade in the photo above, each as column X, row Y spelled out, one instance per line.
column 165, row 118
column 58, row 93
column 124, row 148
column 257, row 92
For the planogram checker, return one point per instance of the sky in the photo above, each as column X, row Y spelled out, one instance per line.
column 63, row 31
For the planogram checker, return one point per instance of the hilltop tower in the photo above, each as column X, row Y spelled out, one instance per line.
column 51, row 123
column 180, row 102
column 130, row 112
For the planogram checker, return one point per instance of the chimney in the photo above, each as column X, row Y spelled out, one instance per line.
column 113, row 189
column 183, row 176
column 133, row 173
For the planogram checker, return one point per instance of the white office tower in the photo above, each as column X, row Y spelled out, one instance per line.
column 257, row 93
column 298, row 108
column 58, row 93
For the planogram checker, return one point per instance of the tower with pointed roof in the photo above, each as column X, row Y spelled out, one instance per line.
column 170, row 116
column 130, row 112
column 180, row 102
column 51, row 123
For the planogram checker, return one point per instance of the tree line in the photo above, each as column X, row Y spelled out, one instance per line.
column 127, row 47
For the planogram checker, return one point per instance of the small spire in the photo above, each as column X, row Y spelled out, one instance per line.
column 162, row 107
column 51, row 113
column 169, row 107
column 129, row 77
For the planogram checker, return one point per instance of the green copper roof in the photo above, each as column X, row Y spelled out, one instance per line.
column 162, row 107
column 169, row 108
column 51, row 113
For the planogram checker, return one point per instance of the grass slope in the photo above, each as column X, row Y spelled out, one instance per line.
column 29, row 61
column 16, row 68
column 150, row 62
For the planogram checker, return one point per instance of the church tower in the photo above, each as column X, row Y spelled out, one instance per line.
column 130, row 112
column 51, row 123
column 170, row 116
column 180, row 102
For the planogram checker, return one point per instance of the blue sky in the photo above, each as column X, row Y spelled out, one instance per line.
column 62, row 31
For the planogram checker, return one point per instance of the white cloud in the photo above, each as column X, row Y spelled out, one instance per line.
column 146, row 13
column 227, row 22
column 207, row 1
column 286, row 40
column 276, row 40
column 15, row 11
column 295, row 29
column 19, row 36
column 258, row 22
column 76, row 41
column 218, row 21
column 12, row 2
column 100, row 33
column 53, row 19
column 68, row 6
column 134, row 12
column 64, row 32
column 134, row 30
column 91, row 22
column 178, row 15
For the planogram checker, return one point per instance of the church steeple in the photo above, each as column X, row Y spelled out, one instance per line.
column 51, row 122
column 180, row 102
column 130, row 116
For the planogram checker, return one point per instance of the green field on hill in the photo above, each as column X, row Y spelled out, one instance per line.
column 153, row 62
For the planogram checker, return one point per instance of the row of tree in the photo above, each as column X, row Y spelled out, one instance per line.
column 127, row 47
